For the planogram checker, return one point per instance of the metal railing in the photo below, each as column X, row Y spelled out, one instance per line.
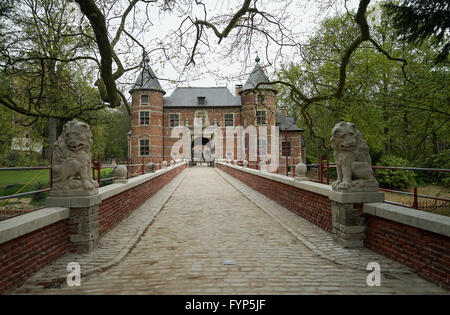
column 326, row 167
column 133, row 170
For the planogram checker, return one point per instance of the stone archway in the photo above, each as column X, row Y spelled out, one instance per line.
column 201, row 150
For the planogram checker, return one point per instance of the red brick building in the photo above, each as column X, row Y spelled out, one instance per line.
column 154, row 116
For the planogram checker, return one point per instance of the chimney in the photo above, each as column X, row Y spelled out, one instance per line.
column 282, row 110
column 238, row 89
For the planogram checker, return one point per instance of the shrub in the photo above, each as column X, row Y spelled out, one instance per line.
column 440, row 160
column 394, row 179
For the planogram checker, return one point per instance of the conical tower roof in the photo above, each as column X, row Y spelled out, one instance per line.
column 257, row 76
column 147, row 79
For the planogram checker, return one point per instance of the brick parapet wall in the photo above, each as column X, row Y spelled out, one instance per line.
column 25, row 255
column 414, row 238
column 312, row 206
column 425, row 252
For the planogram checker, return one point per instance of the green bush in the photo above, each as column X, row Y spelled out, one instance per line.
column 394, row 179
column 440, row 160
column 21, row 158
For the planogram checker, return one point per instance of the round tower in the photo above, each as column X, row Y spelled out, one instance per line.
column 258, row 107
column 146, row 139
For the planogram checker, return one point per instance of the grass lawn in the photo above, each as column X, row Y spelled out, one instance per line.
column 12, row 181
column 434, row 206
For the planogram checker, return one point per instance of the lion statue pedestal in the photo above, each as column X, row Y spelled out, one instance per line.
column 72, row 162
column 353, row 162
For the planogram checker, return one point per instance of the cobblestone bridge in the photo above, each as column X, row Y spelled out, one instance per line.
column 206, row 233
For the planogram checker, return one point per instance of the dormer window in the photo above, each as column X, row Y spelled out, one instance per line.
column 201, row 100
column 144, row 99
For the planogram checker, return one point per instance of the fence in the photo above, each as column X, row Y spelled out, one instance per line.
column 97, row 167
column 432, row 203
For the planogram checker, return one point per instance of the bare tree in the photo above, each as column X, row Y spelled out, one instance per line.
column 237, row 29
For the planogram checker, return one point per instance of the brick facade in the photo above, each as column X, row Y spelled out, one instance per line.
column 159, row 110
column 427, row 253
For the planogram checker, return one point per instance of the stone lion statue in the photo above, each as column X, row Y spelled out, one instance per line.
column 72, row 161
column 353, row 162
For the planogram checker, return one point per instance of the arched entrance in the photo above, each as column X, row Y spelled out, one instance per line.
column 201, row 151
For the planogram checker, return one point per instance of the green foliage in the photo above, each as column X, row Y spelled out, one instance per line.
column 440, row 160
column 394, row 179
column 395, row 116
column 417, row 20
column 21, row 158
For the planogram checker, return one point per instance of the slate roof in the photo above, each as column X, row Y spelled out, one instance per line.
column 257, row 76
column 147, row 79
column 286, row 122
column 214, row 97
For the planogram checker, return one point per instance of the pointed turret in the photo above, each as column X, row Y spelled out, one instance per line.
column 258, row 106
column 147, row 79
column 257, row 76
column 146, row 139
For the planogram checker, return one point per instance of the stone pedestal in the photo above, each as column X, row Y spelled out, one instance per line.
column 83, row 229
column 120, row 174
column 348, row 220
column 300, row 172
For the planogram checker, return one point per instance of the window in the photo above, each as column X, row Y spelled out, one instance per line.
column 174, row 120
column 262, row 147
column 260, row 117
column 144, row 118
column 229, row 120
column 144, row 99
column 286, row 148
column 201, row 100
column 144, row 147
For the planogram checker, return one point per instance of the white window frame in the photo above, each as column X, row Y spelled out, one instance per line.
column 144, row 111
column 148, row 100
column 265, row 117
column 140, row 151
column 225, row 119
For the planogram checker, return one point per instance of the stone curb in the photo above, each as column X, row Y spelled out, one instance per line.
column 128, row 247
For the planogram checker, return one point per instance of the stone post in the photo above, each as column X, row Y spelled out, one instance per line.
column 347, row 217
column 300, row 172
column 82, row 223
column 73, row 186
column 354, row 186
column 150, row 167
column 120, row 172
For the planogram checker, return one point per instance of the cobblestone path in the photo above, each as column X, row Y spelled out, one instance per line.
column 210, row 238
